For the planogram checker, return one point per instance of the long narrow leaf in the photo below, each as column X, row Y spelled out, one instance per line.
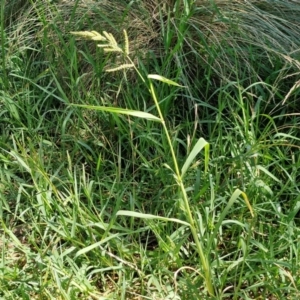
column 225, row 211
column 267, row 173
column 148, row 216
column 95, row 245
column 123, row 111
column 202, row 143
column 163, row 79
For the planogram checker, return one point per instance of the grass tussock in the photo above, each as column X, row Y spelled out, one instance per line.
column 152, row 155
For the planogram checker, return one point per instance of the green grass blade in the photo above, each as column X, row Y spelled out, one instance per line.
column 202, row 143
column 233, row 198
column 95, row 245
column 129, row 213
column 163, row 79
column 123, row 111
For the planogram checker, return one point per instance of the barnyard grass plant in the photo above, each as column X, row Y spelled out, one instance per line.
column 107, row 42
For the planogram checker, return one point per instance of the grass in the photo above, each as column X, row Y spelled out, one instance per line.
column 176, row 178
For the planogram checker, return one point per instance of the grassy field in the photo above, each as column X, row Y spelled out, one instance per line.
column 150, row 149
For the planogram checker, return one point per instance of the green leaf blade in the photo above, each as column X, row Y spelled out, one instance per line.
column 149, row 216
column 202, row 143
column 123, row 111
column 163, row 79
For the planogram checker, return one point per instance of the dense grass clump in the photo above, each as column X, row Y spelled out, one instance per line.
column 149, row 149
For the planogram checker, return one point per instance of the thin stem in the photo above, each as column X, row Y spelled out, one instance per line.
column 204, row 261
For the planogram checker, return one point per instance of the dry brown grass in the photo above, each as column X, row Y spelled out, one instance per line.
column 227, row 27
